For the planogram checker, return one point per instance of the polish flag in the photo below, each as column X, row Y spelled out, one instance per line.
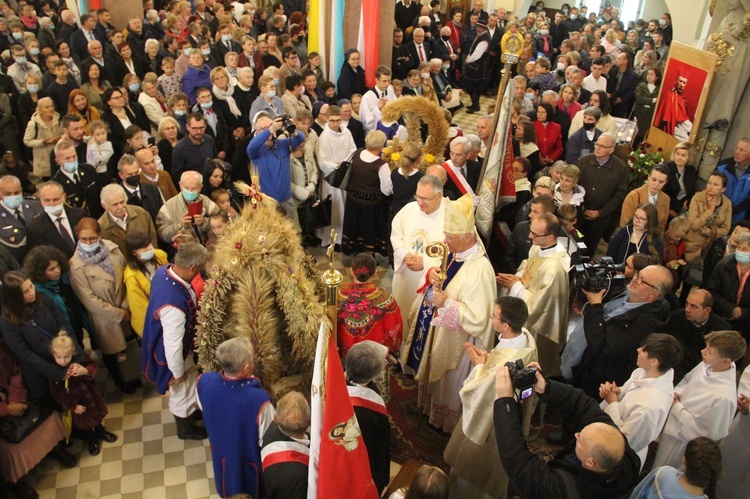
column 339, row 465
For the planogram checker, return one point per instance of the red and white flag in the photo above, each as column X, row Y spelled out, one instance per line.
column 339, row 465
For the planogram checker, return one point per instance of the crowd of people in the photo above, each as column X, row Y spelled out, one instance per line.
column 122, row 145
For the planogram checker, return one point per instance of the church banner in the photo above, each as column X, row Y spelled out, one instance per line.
column 497, row 187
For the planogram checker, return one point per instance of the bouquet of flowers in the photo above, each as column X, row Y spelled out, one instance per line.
column 640, row 161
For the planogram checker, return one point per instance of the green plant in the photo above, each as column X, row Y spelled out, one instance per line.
column 640, row 162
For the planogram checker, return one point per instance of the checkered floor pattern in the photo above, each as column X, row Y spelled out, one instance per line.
column 148, row 460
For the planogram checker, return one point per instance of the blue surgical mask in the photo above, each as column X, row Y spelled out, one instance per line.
column 134, row 87
column 271, row 94
column 742, row 256
column 275, row 81
column 34, row 51
column 147, row 255
column 573, row 17
column 89, row 248
column 186, row 52
column 207, row 105
column 544, row 31
column 33, row 88
column 662, row 22
column 70, row 167
column 21, row 60
column 13, row 202
column 51, row 27
column 179, row 112
column 446, row 66
column 189, row 196
column 565, row 11
column 206, row 52
column 17, row 35
column 226, row 38
column 54, row 210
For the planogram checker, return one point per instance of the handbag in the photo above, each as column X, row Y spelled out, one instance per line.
column 339, row 177
column 314, row 214
column 14, row 429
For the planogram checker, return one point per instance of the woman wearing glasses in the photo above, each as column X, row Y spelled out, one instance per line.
column 116, row 114
column 642, row 235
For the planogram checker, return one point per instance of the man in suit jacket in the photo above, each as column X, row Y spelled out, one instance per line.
column 419, row 51
column 151, row 176
column 79, row 40
column 96, row 56
column 621, row 87
column 463, row 174
column 73, row 132
column 141, row 194
column 56, row 226
column 443, row 47
column 120, row 219
column 79, row 181
column 224, row 45
column 16, row 213
column 493, row 63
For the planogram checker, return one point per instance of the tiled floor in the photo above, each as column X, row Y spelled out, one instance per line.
column 148, row 460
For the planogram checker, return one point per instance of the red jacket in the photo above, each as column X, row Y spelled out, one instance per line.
column 549, row 139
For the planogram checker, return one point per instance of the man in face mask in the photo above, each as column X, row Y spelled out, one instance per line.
column 142, row 194
column 188, row 212
column 15, row 214
column 216, row 123
column 79, row 180
column 73, row 132
column 55, row 227
column 121, row 219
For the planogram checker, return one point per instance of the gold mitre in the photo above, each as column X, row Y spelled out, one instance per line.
column 459, row 216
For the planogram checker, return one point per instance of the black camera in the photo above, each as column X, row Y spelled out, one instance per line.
column 523, row 378
column 597, row 276
column 287, row 126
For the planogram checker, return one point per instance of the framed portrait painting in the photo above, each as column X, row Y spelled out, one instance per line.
column 684, row 89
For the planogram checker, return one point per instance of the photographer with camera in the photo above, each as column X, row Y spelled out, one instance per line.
column 613, row 332
column 597, row 463
column 471, row 451
column 270, row 151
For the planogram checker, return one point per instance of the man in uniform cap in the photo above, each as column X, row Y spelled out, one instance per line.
column 458, row 313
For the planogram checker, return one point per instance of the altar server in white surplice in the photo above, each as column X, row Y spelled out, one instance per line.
column 705, row 400
column 335, row 145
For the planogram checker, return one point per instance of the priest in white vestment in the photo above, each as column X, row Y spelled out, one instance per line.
column 414, row 227
column 735, row 447
column 442, row 321
column 335, row 145
column 542, row 282
column 472, row 453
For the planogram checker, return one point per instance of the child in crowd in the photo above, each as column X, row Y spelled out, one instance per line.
column 80, row 394
column 674, row 248
column 230, row 63
column 99, row 151
column 702, row 470
column 705, row 400
column 641, row 406
column 218, row 222
column 429, row 483
column 170, row 82
column 568, row 216
column 223, row 200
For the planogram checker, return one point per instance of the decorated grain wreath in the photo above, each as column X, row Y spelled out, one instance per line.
column 265, row 287
column 415, row 111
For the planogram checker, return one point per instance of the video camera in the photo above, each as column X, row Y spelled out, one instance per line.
column 594, row 277
column 522, row 378
column 287, row 126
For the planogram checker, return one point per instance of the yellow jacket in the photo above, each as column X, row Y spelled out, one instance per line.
column 137, row 291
